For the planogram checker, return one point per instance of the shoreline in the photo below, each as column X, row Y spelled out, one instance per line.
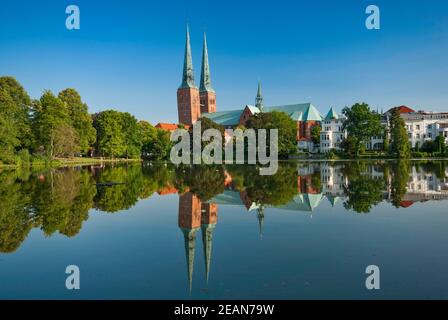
column 67, row 162
column 60, row 163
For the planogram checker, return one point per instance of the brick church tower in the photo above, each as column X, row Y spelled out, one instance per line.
column 188, row 106
column 206, row 93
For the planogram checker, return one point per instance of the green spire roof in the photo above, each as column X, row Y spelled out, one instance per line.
column 190, row 245
column 331, row 114
column 188, row 75
column 259, row 98
column 206, row 82
column 207, row 240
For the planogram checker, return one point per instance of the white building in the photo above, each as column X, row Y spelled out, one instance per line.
column 423, row 126
column 332, row 134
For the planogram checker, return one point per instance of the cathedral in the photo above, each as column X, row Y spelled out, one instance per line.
column 194, row 103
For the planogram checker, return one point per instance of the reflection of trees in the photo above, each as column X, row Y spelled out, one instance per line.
column 15, row 219
column 399, row 179
column 204, row 181
column 120, row 196
column 273, row 190
column 363, row 191
column 61, row 201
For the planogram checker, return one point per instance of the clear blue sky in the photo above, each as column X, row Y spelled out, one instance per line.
column 128, row 55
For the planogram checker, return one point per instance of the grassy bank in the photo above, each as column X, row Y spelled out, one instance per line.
column 64, row 162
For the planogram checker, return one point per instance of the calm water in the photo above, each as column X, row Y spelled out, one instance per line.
column 308, row 232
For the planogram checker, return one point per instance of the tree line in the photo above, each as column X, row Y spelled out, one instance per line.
column 60, row 126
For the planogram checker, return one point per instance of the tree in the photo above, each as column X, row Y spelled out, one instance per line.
column 110, row 140
column 349, row 146
column 315, row 134
column 287, row 130
column 20, row 107
column 9, row 139
column 361, row 124
column 400, row 146
column 440, row 144
column 50, row 120
column 148, row 134
column 66, row 142
column 80, row 118
column 132, row 137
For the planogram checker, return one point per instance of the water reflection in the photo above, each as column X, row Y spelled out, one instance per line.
column 59, row 201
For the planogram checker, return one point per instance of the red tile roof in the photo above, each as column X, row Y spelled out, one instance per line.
column 403, row 109
column 169, row 126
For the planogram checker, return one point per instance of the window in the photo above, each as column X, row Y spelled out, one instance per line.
column 430, row 135
column 418, row 135
column 417, row 127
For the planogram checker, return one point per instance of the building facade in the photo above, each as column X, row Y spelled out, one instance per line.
column 422, row 126
column 332, row 133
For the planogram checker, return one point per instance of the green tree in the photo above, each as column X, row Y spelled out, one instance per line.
column 440, row 144
column 20, row 107
column 400, row 146
column 50, row 119
column 287, row 130
column 315, row 134
column 9, row 138
column 361, row 124
column 80, row 118
column 111, row 139
column 349, row 146
column 132, row 135
column 156, row 144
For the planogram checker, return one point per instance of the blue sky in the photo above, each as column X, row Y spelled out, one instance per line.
column 128, row 55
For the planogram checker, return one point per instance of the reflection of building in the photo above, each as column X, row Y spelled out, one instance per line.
column 195, row 215
column 424, row 186
column 333, row 182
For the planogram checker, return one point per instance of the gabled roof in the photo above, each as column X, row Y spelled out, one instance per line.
column 253, row 109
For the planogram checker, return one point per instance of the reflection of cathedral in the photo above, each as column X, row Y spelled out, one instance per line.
column 195, row 215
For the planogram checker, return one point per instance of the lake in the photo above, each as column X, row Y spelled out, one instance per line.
column 156, row 231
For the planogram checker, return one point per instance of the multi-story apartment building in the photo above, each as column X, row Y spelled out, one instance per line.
column 422, row 126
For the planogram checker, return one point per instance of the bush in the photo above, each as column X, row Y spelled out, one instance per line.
column 421, row 155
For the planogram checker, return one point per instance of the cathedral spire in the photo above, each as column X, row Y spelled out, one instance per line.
column 206, row 83
column 259, row 98
column 188, row 74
